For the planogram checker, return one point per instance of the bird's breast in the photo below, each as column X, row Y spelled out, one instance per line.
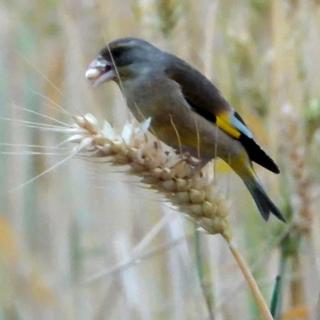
column 150, row 96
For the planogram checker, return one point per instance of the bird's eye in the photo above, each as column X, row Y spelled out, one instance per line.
column 117, row 52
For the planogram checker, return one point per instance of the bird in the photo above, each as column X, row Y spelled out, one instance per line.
column 188, row 111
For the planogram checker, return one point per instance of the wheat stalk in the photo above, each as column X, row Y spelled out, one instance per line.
column 174, row 175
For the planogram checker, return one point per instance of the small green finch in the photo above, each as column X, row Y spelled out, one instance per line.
column 188, row 112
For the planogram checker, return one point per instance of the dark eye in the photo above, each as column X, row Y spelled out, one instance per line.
column 118, row 52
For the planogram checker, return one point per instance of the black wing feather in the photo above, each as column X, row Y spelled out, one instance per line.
column 256, row 154
column 206, row 100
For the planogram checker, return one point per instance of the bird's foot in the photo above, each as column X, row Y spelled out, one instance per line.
column 188, row 166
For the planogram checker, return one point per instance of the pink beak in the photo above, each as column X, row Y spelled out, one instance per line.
column 100, row 70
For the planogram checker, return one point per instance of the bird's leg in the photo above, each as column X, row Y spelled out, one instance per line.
column 189, row 166
column 197, row 168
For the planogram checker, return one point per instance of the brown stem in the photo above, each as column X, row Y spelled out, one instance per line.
column 297, row 289
column 264, row 309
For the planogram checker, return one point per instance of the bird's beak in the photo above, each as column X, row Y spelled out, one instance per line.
column 100, row 70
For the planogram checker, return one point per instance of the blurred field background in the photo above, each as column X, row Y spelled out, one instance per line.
column 87, row 242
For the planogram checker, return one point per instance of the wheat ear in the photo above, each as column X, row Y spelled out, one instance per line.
column 172, row 174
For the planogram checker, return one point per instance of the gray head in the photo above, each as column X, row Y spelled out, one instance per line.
column 124, row 58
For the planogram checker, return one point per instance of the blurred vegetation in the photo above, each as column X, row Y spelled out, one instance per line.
column 80, row 219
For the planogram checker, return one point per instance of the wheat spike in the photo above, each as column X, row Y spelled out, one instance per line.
column 192, row 190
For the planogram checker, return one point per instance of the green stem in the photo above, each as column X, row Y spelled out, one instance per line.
column 276, row 301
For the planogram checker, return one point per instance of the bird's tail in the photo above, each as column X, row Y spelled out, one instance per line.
column 262, row 200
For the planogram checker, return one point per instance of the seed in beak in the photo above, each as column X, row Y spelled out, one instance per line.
column 99, row 71
column 92, row 73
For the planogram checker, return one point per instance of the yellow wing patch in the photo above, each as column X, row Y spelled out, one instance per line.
column 223, row 123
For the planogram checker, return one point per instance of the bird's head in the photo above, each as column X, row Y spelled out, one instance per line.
column 122, row 59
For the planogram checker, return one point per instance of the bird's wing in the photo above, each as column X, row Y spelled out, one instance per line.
column 205, row 99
